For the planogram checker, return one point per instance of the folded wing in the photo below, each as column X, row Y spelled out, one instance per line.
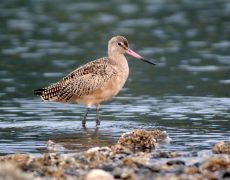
column 79, row 83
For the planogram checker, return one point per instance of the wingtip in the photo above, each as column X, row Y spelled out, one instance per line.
column 38, row 92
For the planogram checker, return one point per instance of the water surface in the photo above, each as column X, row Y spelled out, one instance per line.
column 187, row 94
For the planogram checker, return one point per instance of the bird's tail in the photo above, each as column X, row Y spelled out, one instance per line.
column 39, row 92
column 49, row 93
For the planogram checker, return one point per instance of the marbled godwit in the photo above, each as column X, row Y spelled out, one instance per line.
column 94, row 82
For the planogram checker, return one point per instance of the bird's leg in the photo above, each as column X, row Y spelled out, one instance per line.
column 97, row 115
column 84, row 117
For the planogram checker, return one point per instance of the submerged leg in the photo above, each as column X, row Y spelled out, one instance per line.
column 97, row 116
column 84, row 117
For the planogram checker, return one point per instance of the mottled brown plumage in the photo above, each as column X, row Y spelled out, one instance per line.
column 80, row 82
column 94, row 82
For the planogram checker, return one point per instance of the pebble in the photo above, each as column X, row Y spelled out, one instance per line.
column 98, row 174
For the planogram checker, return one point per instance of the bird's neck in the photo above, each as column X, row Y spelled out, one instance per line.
column 118, row 60
column 120, row 63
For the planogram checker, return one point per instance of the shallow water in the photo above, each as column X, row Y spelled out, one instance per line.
column 187, row 94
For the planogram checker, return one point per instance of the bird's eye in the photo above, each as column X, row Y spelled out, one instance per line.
column 119, row 44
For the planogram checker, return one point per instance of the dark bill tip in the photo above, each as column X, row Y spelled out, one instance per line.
column 150, row 62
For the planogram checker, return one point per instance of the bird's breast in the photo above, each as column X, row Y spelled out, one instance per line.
column 108, row 90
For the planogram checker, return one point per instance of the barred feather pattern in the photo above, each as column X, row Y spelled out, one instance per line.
column 80, row 82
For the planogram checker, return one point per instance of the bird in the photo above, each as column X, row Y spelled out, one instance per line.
column 96, row 81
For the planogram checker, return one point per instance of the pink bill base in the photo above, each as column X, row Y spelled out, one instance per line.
column 132, row 53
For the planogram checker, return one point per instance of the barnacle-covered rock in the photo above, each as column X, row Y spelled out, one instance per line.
column 140, row 139
column 221, row 147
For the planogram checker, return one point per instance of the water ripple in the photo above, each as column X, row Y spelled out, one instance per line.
column 45, row 120
column 186, row 94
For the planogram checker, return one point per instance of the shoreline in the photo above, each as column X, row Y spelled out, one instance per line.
column 134, row 157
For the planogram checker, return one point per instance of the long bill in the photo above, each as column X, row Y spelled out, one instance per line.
column 134, row 54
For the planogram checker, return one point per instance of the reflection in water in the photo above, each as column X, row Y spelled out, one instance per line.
column 82, row 139
column 186, row 94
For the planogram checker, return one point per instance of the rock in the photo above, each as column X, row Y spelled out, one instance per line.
column 191, row 170
column 141, row 140
column 175, row 162
column 164, row 154
column 9, row 171
column 54, row 147
column 138, row 159
column 221, row 147
column 216, row 162
column 124, row 173
column 121, row 149
column 96, row 156
column 117, row 172
column 160, row 136
column 137, row 139
column 215, row 167
column 19, row 158
column 98, row 174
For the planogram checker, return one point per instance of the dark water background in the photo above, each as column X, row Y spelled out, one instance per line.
column 187, row 94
